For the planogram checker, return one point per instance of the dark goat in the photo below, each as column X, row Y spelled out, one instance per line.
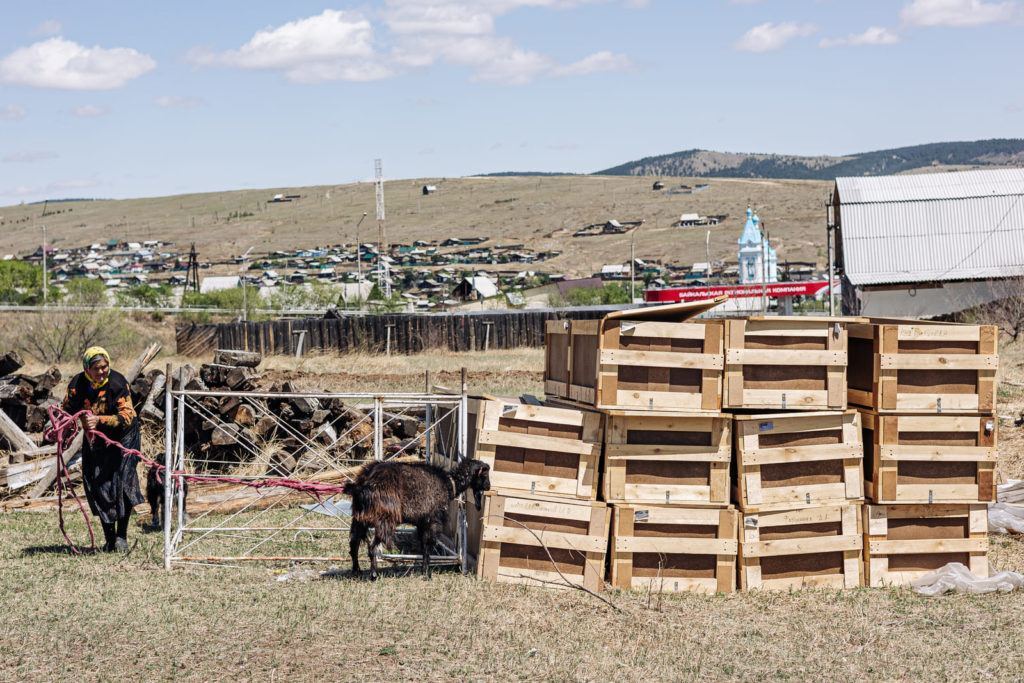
column 387, row 494
column 155, row 496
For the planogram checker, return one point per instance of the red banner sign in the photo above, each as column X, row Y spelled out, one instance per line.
column 774, row 290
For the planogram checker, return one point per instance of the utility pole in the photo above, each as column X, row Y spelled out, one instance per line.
column 764, row 273
column 707, row 253
column 632, row 268
column 829, row 230
column 382, row 241
column 359, row 250
column 245, row 297
column 45, row 282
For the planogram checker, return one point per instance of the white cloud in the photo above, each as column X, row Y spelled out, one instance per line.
column 89, row 111
column 333, row 45
column 768, row 36
column 12, row 112
column 958, row 12
column 175, row 102
column 464, row 33
column 65, row 65
column 340, row 45
column 597, row 62
column 50, row 27
column 29, row 156
column 875, row 35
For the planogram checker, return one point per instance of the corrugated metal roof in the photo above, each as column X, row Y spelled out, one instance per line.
column 936, row 227
column 924, row 186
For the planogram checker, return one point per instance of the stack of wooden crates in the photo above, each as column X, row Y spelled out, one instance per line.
column 798, row 453
column 926, row 394
column 657, row 426
column 655, row 378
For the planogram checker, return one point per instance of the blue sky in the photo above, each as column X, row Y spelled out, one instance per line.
column 127, row 99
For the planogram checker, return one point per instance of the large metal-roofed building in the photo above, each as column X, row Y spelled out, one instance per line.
column 930, row 244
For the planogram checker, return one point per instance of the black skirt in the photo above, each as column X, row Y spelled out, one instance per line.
column 110, row 478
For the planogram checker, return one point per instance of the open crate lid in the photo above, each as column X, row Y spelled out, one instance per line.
column 669, row 312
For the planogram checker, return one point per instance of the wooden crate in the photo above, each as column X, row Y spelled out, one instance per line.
column 922, row 367
column 556, row 358
column 795, row 460
column 929, row 458
column 785, row 363
column 666, row 458
column 642, row 359
column 575, row 534
column 814, row 547
column 539, row 449
column 673, row 549
column 905, row 542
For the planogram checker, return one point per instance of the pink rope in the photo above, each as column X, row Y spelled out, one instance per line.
column 64, row 427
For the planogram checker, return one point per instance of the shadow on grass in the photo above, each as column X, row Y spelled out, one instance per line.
column 55, row 549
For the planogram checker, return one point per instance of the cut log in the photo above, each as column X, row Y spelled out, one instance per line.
column 225, row 435
column 16, row 438
column 10, row 363
column 241, row 378
column 140, row 363
column 43, row 384
column 304, row 405
column 37, row 417
column 249, row 359
column 213, row 374
column 265, row 427
column 151, row 408
column 183, row 375
column 245, row 416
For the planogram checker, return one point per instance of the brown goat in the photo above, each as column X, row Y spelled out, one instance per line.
column 387, row 494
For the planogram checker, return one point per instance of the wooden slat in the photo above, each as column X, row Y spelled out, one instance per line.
column 802, row 546
column 784, row 357
column 668, row 545
column 937, row 362
column 938, row 453
column 552, row 539
column 928, row 545
column 662, row 359
column 535, row 442
column 768, row 456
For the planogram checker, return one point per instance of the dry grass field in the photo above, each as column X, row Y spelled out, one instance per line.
column 103, row 617
column 540, row 212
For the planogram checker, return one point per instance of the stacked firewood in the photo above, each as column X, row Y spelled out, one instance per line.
column 241, row 421
column 25, row 398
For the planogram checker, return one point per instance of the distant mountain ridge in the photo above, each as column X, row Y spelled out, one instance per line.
column 701, row 162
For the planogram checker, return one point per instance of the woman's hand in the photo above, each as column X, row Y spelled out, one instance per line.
column 89, row 421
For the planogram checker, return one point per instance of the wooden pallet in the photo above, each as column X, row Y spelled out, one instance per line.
column 539, row 449
column 640, row 359
column 785, row 363
column 674, row 549
column 921, row 367
column 665, row 458
column 796, row 460
column 929, row 458
column 574, row 533
column 556, row 358
column 905, row 542
column 811, row 548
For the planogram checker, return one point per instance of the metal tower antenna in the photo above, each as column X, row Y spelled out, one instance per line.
column 384, row 279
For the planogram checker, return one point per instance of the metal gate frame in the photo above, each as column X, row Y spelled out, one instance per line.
column 442, row 412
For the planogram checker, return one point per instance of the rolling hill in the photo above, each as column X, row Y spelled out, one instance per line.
column 939, row 155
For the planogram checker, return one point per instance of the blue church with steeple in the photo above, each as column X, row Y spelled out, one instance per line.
column 755, row 253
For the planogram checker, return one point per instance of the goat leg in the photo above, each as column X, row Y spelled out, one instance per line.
column 425, row 545
column 356, row 536
column 373, row 554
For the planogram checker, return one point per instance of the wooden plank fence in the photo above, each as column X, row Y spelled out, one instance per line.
column 409, row 333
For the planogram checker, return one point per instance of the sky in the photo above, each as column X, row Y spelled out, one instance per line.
column 118, row 99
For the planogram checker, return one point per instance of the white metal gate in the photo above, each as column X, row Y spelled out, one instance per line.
column 237, row 514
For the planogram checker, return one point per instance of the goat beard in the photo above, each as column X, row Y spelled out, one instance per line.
column 478, row 497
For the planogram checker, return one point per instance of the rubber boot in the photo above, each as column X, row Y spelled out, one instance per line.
column 121, row 542
column 109, row 536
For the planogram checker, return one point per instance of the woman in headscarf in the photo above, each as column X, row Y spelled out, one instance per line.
column 110, row 478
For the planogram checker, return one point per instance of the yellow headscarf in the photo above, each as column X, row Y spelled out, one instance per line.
column 92, row 354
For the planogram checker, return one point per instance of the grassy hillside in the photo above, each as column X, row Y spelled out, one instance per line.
column 539, row 212
column 699, row 162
